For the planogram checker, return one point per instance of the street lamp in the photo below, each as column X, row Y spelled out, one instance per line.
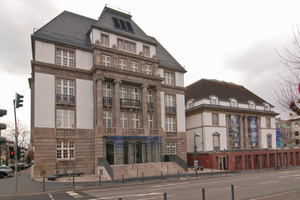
column 195, row 150
column 277, row 165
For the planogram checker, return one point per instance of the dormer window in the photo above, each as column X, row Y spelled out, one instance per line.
column 190, row 104
column 267, row 107
column 146, row 50
column 214, row 100
column 251, row 105
column 233, row 103
column 104, row 40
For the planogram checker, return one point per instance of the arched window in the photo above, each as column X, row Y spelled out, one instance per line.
column 233, row 102
column 267, row 107
column 216, row 141
column 214, row 100
column 251, row 105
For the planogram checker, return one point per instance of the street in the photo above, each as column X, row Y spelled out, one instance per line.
column 264, row 185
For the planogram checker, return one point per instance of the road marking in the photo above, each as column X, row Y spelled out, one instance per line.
column 74, row 194
column 134, row 195
column 171, row 184
column 273, row 195
column 51, row 197
column 219, row 189
column 269, row 182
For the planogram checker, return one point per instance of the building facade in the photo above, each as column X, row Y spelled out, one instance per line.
column 103, row 90
column 222, row 116
column 284, row 128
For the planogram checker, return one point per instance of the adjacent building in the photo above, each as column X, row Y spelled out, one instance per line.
column 230, row 127
column 102, row 91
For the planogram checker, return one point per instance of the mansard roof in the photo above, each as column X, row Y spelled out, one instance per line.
column 205, row 88
column 73, row 29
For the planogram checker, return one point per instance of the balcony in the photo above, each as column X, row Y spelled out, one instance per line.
column 133, row 131
column 110, row 131
column 130, row 103
column 65, row 132
column 150, row 105
column 107, row 101
column 154, row 132
column 61, row 98
column 170, row 110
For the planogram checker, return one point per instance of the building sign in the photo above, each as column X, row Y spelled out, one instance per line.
column 278, row 139
column 234, row 129
column 252, row 129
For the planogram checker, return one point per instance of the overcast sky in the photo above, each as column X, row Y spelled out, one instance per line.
column 228, row 40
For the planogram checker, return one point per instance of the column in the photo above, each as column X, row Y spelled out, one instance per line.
column 158, row 107
column 246, row 138
column 259, row 139
column 99, row 100
column 241, row 132
column 227, row 130
column 144, row 105
column 117, row 105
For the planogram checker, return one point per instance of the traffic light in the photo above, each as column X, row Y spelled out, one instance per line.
column 19, row 100
column 11, row 153
column 2, row 113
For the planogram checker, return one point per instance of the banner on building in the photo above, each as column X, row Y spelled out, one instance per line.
column 234, row 129
column 252, row 130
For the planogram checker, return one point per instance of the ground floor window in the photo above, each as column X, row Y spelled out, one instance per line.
column 171, row 148
column 65, row 150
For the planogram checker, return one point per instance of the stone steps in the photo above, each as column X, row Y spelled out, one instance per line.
column 146, row 169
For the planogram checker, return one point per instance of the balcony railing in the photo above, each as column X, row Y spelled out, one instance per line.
column 61, row 98
column 154, row 132
column 150, row 105
column 130, row 102
column 107, row 101
column 170, row 109
column 133, row 131
column 110, row 131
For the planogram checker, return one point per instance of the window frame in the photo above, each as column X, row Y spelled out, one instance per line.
column 170, row 124
column 169, row 78
column 135, row 120
column 122, row 63
column 126, row 45
column 64, row 149
column 60, row 59
column 148, row 69
column 105, row 61
column 215, row 119
column 216, row 147
column 104, row 39
column 134, row 66
column 107, row 119
column 146, row 50
column 65, row 122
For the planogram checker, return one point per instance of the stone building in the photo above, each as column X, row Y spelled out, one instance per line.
column 102, row 91
column 230, row 126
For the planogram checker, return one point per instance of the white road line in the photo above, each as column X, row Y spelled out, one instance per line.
column 134, row 195
column 51, row 197
column 269, row 182
column 74, row 194
column 219, row 189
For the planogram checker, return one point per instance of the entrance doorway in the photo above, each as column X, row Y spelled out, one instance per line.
column 222, row 163
column 110, row 156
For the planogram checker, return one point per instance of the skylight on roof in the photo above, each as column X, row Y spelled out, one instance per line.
column 123, row 25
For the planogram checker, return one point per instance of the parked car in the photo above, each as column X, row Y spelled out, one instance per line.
column 2, row 174
column 9, row 171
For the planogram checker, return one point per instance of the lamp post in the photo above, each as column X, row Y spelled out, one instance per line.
column 195, row 151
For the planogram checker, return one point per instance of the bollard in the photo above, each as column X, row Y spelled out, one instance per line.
column 99, row 180
column 44, row 184
column 161, row 178
column 122, row 178
column 232, row 192
column 142, row 176
column 178, row 174
column 203, row 194
column 165, row 196
column 196, row 173
column 73, row 182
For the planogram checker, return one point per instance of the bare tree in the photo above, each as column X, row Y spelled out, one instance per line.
column 23, row 133
column 287, row 95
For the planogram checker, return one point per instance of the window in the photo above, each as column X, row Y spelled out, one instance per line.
column 149, row 69
column 171, row 148
column 296, row 133
column 65, row 118
column 135, row 120
column 149, row 96
column 135, row 93
column 134, row 66
column 170, row 124
column 233, row 103
column 150, row 121
column 123, row 25
column 124, row 119
column 267, row 107
column 106, row 90
column 297, row 141
column 214, row 100
column 107, row 122
column 169, row 78
column 123, row 64
column 65, row 150
column 65, row 91
column 269, row 140
column 170, row 100
column 106, row 60
column 146, row 50
column 251, row 105
column 268, row 122
column 64, row 58
column 126, row 45
column 123, row 92
column 216, row 141
column 104, row 39
column 215, row 119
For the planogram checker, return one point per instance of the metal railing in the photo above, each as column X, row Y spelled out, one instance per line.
column 61, row 98
column 170, row 109
column 150, row 105
column 130, row 102
column 133, row 131
column 107, row 101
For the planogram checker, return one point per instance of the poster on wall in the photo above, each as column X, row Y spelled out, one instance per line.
column 252, row 129
column 235, row 129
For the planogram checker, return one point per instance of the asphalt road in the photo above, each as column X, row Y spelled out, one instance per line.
column 267, row 185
